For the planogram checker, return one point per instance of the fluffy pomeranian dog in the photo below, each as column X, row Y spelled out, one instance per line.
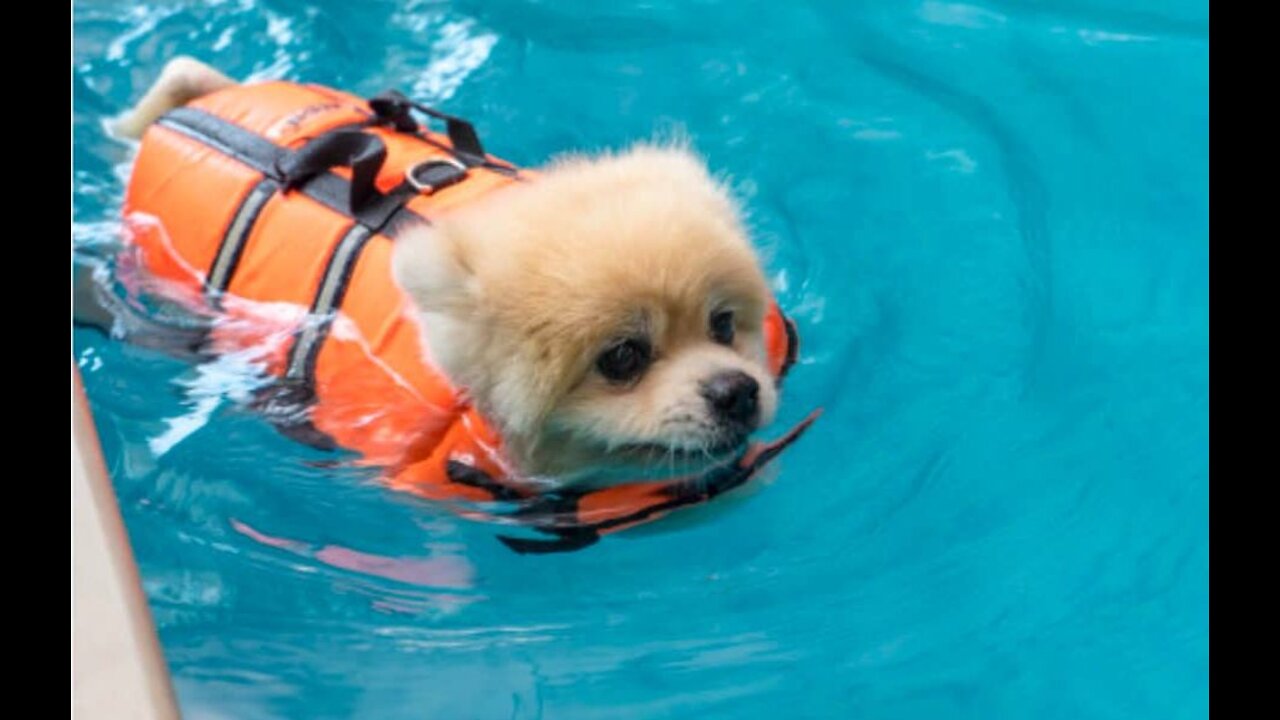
column 606, row 316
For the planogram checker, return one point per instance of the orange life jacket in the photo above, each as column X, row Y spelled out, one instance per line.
column 279, row 203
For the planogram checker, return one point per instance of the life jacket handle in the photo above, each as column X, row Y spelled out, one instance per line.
column 363, row 152
column 393, row 108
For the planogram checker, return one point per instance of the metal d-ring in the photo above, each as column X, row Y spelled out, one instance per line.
column 430, row 187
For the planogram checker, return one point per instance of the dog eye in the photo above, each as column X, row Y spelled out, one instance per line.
column 722, row 326
column 624, row 361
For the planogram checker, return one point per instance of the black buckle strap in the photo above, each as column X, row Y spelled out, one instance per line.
column 554, row 513
column 362, row 152
column 393, row 108
column 793, row 347
column 365, row 154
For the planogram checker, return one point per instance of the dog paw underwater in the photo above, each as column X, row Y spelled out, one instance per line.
column 574, row 350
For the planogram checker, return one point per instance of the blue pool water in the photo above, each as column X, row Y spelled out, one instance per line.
column 991, row 224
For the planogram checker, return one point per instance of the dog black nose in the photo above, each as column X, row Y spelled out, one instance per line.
column 734, row 397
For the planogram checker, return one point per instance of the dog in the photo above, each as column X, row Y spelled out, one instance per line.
column 606, row 317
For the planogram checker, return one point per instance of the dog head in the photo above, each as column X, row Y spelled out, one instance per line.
column 608, row 314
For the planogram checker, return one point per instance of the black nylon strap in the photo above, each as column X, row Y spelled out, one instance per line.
column 232, row 246
column 464, row 474
column 227, row 138
column 324, row 308
column 393, row 108
column 793, row 347
column 568, row 541
column 379, row 213
column 286, row 403
column 360, row 151
column 552, row 514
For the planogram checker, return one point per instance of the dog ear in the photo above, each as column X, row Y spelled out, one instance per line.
column 430, row 266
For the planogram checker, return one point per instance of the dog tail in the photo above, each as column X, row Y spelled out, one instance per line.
column 184, row 79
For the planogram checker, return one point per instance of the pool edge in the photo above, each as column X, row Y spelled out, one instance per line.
column 117, row 668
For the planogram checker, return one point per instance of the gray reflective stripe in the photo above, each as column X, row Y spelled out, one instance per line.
column 233, row 242
column 332, row 288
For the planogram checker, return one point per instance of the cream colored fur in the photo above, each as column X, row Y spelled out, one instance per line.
column 522, row 290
